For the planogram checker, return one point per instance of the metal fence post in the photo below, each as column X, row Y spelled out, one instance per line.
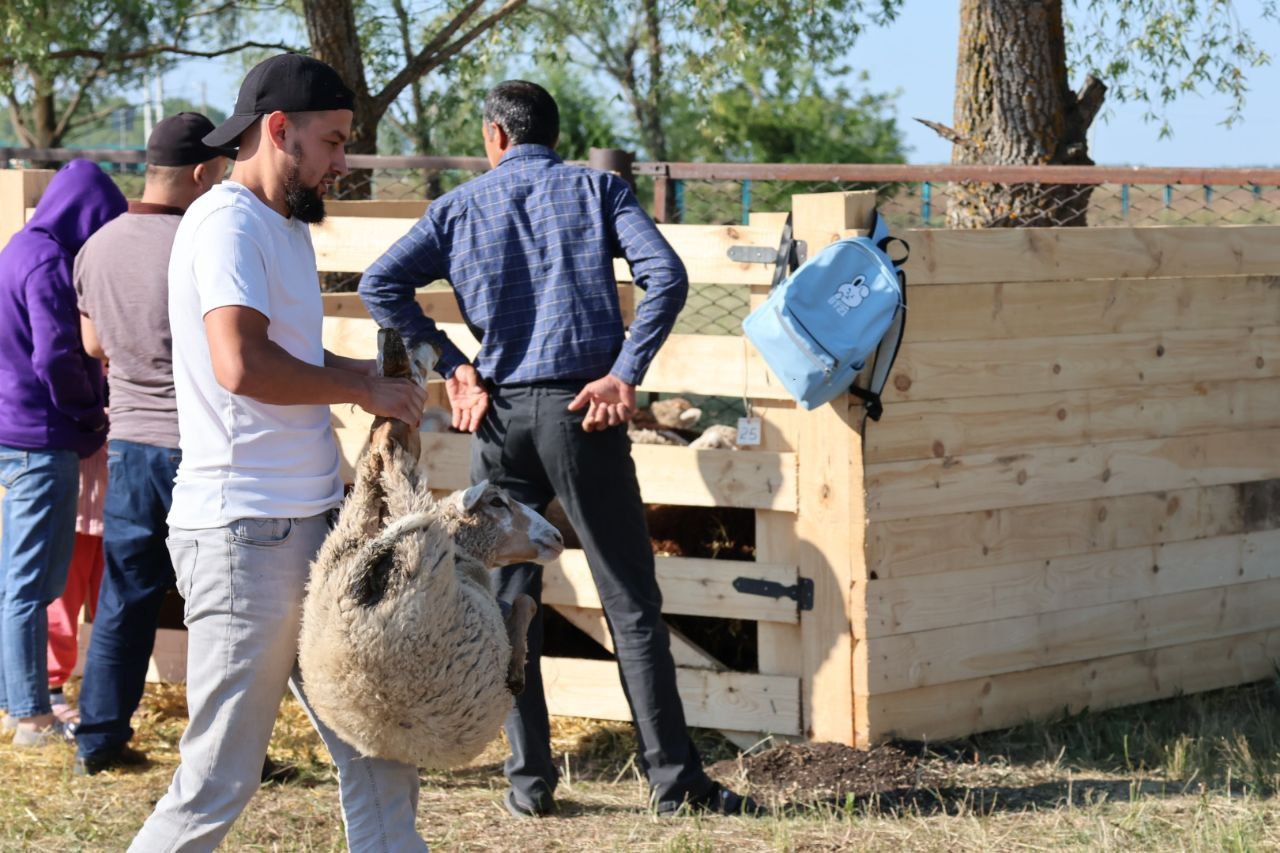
column 613, row 160
column 663, row 197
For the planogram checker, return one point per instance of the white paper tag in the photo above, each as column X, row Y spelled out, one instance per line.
column 748, row 432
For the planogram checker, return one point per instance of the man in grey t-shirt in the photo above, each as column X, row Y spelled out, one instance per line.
column 122, row 282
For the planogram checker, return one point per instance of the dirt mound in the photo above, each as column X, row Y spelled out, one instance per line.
column 826, row 771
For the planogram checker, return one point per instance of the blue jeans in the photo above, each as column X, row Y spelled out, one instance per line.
column 137, row 576
column 39, row 532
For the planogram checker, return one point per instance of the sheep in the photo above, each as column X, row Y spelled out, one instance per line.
column 404, row 649
column 656, row 436
column 672, row 413
column 490, row 530
column 716, row 437
column 404, row 652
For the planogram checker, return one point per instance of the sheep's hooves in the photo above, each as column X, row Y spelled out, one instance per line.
column 516, row 685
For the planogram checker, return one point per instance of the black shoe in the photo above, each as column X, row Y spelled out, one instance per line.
column 121, row 756
column 275, row 773
column 717, row 800
column 543, row 804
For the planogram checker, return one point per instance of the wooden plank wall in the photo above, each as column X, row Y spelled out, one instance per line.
column 803, row 682
column 1074, row 496
column 20, row 189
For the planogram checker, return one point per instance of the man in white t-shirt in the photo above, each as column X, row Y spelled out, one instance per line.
column 259, row 472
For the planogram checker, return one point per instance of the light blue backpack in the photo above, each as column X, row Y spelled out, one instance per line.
column 818, row 327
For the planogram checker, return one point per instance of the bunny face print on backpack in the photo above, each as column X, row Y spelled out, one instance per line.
column 849, row 295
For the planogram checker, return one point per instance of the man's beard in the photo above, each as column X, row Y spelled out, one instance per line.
column 304, row 203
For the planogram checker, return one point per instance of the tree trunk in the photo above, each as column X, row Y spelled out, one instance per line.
column 43, row 129
column 1014, row 107
column 331, row 29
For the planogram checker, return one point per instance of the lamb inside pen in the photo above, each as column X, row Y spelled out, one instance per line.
column 404, row 649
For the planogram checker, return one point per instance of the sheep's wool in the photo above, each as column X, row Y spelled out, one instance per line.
column 403, row 655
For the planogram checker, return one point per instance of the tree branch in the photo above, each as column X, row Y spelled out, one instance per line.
column 92, row 117
column 15, row 116
column 429, row 58
column 573, row 33
column 446, row 32
column 1089, row 100
column 156, row 49
column 947, row 133
column 74, row 104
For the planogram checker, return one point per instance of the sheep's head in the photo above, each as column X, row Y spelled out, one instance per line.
column 422, row 359
column 497, row 530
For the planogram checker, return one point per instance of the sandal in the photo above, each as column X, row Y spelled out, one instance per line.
column 56, row 732
column 67, row 715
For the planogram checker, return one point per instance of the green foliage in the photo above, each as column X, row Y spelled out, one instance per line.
column 60, row 62
column 586, row 118
column 720, row 41
column 1151, row 52
column 789, row 121
column 660, row 52
column 451, row 118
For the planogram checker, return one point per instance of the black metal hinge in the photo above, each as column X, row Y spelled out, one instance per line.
column 801, row 592
column 765, row 254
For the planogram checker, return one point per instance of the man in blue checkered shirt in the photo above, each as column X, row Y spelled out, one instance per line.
column 529, row 250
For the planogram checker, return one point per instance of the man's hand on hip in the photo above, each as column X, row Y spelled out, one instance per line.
column 467, row 397
column 402, row 399
column 609, row 401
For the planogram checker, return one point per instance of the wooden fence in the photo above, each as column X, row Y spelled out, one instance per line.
column 806, row 514
column 1073, row 499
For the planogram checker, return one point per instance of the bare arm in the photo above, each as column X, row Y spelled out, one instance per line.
column 248, row 363
column 89, row 337
column 366, row 366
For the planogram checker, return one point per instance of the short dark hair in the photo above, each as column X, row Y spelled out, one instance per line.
column 166, row 176
column 525, row 110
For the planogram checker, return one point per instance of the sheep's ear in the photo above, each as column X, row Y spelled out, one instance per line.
column 472, row 496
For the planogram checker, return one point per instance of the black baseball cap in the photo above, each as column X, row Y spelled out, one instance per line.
column 178, row 141
column 289, row 82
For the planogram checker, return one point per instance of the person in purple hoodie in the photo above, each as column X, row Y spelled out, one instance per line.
column 52, row 399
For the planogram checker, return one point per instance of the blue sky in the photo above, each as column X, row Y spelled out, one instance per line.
column 916, row 57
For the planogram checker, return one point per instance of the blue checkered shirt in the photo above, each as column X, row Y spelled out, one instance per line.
column 529, row 250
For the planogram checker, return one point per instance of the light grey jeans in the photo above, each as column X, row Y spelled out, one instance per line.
column 243, row 585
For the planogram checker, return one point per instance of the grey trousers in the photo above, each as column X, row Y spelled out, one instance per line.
column 244, row 585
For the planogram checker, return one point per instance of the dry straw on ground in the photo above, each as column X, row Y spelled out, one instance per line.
column 1196, row 773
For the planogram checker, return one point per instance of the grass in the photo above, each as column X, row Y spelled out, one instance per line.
column 1192, row 773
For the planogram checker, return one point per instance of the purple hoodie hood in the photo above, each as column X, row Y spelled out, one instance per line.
column 51, row 391
column 78, row 201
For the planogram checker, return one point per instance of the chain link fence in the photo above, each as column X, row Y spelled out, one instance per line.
column 928, row 204
column 951, row 196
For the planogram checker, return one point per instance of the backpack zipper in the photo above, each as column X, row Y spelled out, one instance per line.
column 805, row 346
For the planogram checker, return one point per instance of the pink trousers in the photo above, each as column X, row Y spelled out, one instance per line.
column 83, row 580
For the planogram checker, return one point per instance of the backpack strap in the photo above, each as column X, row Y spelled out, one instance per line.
column 879, row 230
column 879, row 235
column 886, row 354
column 788, row 260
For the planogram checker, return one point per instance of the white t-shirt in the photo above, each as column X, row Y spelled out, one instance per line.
column 242, row 458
